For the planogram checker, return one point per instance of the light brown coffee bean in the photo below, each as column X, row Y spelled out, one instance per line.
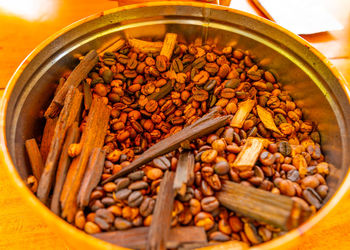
column 122, row 224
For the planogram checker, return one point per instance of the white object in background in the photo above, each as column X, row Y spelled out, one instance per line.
column 299, row 16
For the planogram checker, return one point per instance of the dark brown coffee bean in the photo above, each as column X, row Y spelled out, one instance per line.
column 206, row 189
column 161, row 63
column 105, row 215
column 123, row 194
column 147, row 206
column 293, row 175
column 227, row 93
column 284, row 148
column 222, row 168
column 162, row 163
column 137, row 185
column 311, row 196
column 209, row 204
column 211, row 83
column 122, row 183
column 122, row 224
column 102, row 223
column 97, row 204
column 177, row 65
column 135, row 199
column 200, row 95
column 137, row 175
column 108, row 201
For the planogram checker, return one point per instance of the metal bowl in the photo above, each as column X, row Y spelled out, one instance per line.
column 314, row 83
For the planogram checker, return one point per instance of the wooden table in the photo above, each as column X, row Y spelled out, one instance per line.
column 22, row 30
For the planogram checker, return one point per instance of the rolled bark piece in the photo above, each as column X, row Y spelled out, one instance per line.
column 145, row 46
column 136, row 238
column 278, row 210
column 93, row 137
column 35, row 159
column 161, row 218
column 92, row 176
column 67, row 117
column 63, row 164
column 78, row 74
column 184, row 172
column 169, row 45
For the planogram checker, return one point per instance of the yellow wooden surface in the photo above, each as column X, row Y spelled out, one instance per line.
column 21, row 30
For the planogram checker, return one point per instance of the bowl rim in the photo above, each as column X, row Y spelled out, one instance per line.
column 50, row 217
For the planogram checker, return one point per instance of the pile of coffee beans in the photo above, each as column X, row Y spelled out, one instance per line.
column 152, row 97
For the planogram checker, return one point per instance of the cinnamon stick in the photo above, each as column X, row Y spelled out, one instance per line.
column 161, row 219
column 46, row 140
column 67, row 116
column 278, row 210
column 63, row 164
column 74, row 79
column 36, row 162
column 173, row 142
column 249, row 154
column 169, row 45
column 49, row 128
column 242, row 113
column 136, row 238
column 184, row 172
column 145, row 46
column 92, row 176
column 87, row 96
column 116, row 45
column 267, row 119
column 93, row 137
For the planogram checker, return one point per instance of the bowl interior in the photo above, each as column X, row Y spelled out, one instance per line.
column 303, row 74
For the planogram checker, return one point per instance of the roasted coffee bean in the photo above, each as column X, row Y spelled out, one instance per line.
column 162, row 163
column 205, row 220
column 105, row 214
column 266, row 158
column 200, row 95
column 137, row 175
column 187, row 196
column 284, row 148
column 123, row 194
column 209, row 204
column 219, row 236
column 137, row 185
column 222, row 168
column 135, row 199
column 235, row 224
column 311, row 196
column 122, row 183
column 322, row 190
column 108, row 201
column 91, row 228
column 122, row 224
column 252, row 234
column 147, row 206
column 161, row 63
column 293, row 175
